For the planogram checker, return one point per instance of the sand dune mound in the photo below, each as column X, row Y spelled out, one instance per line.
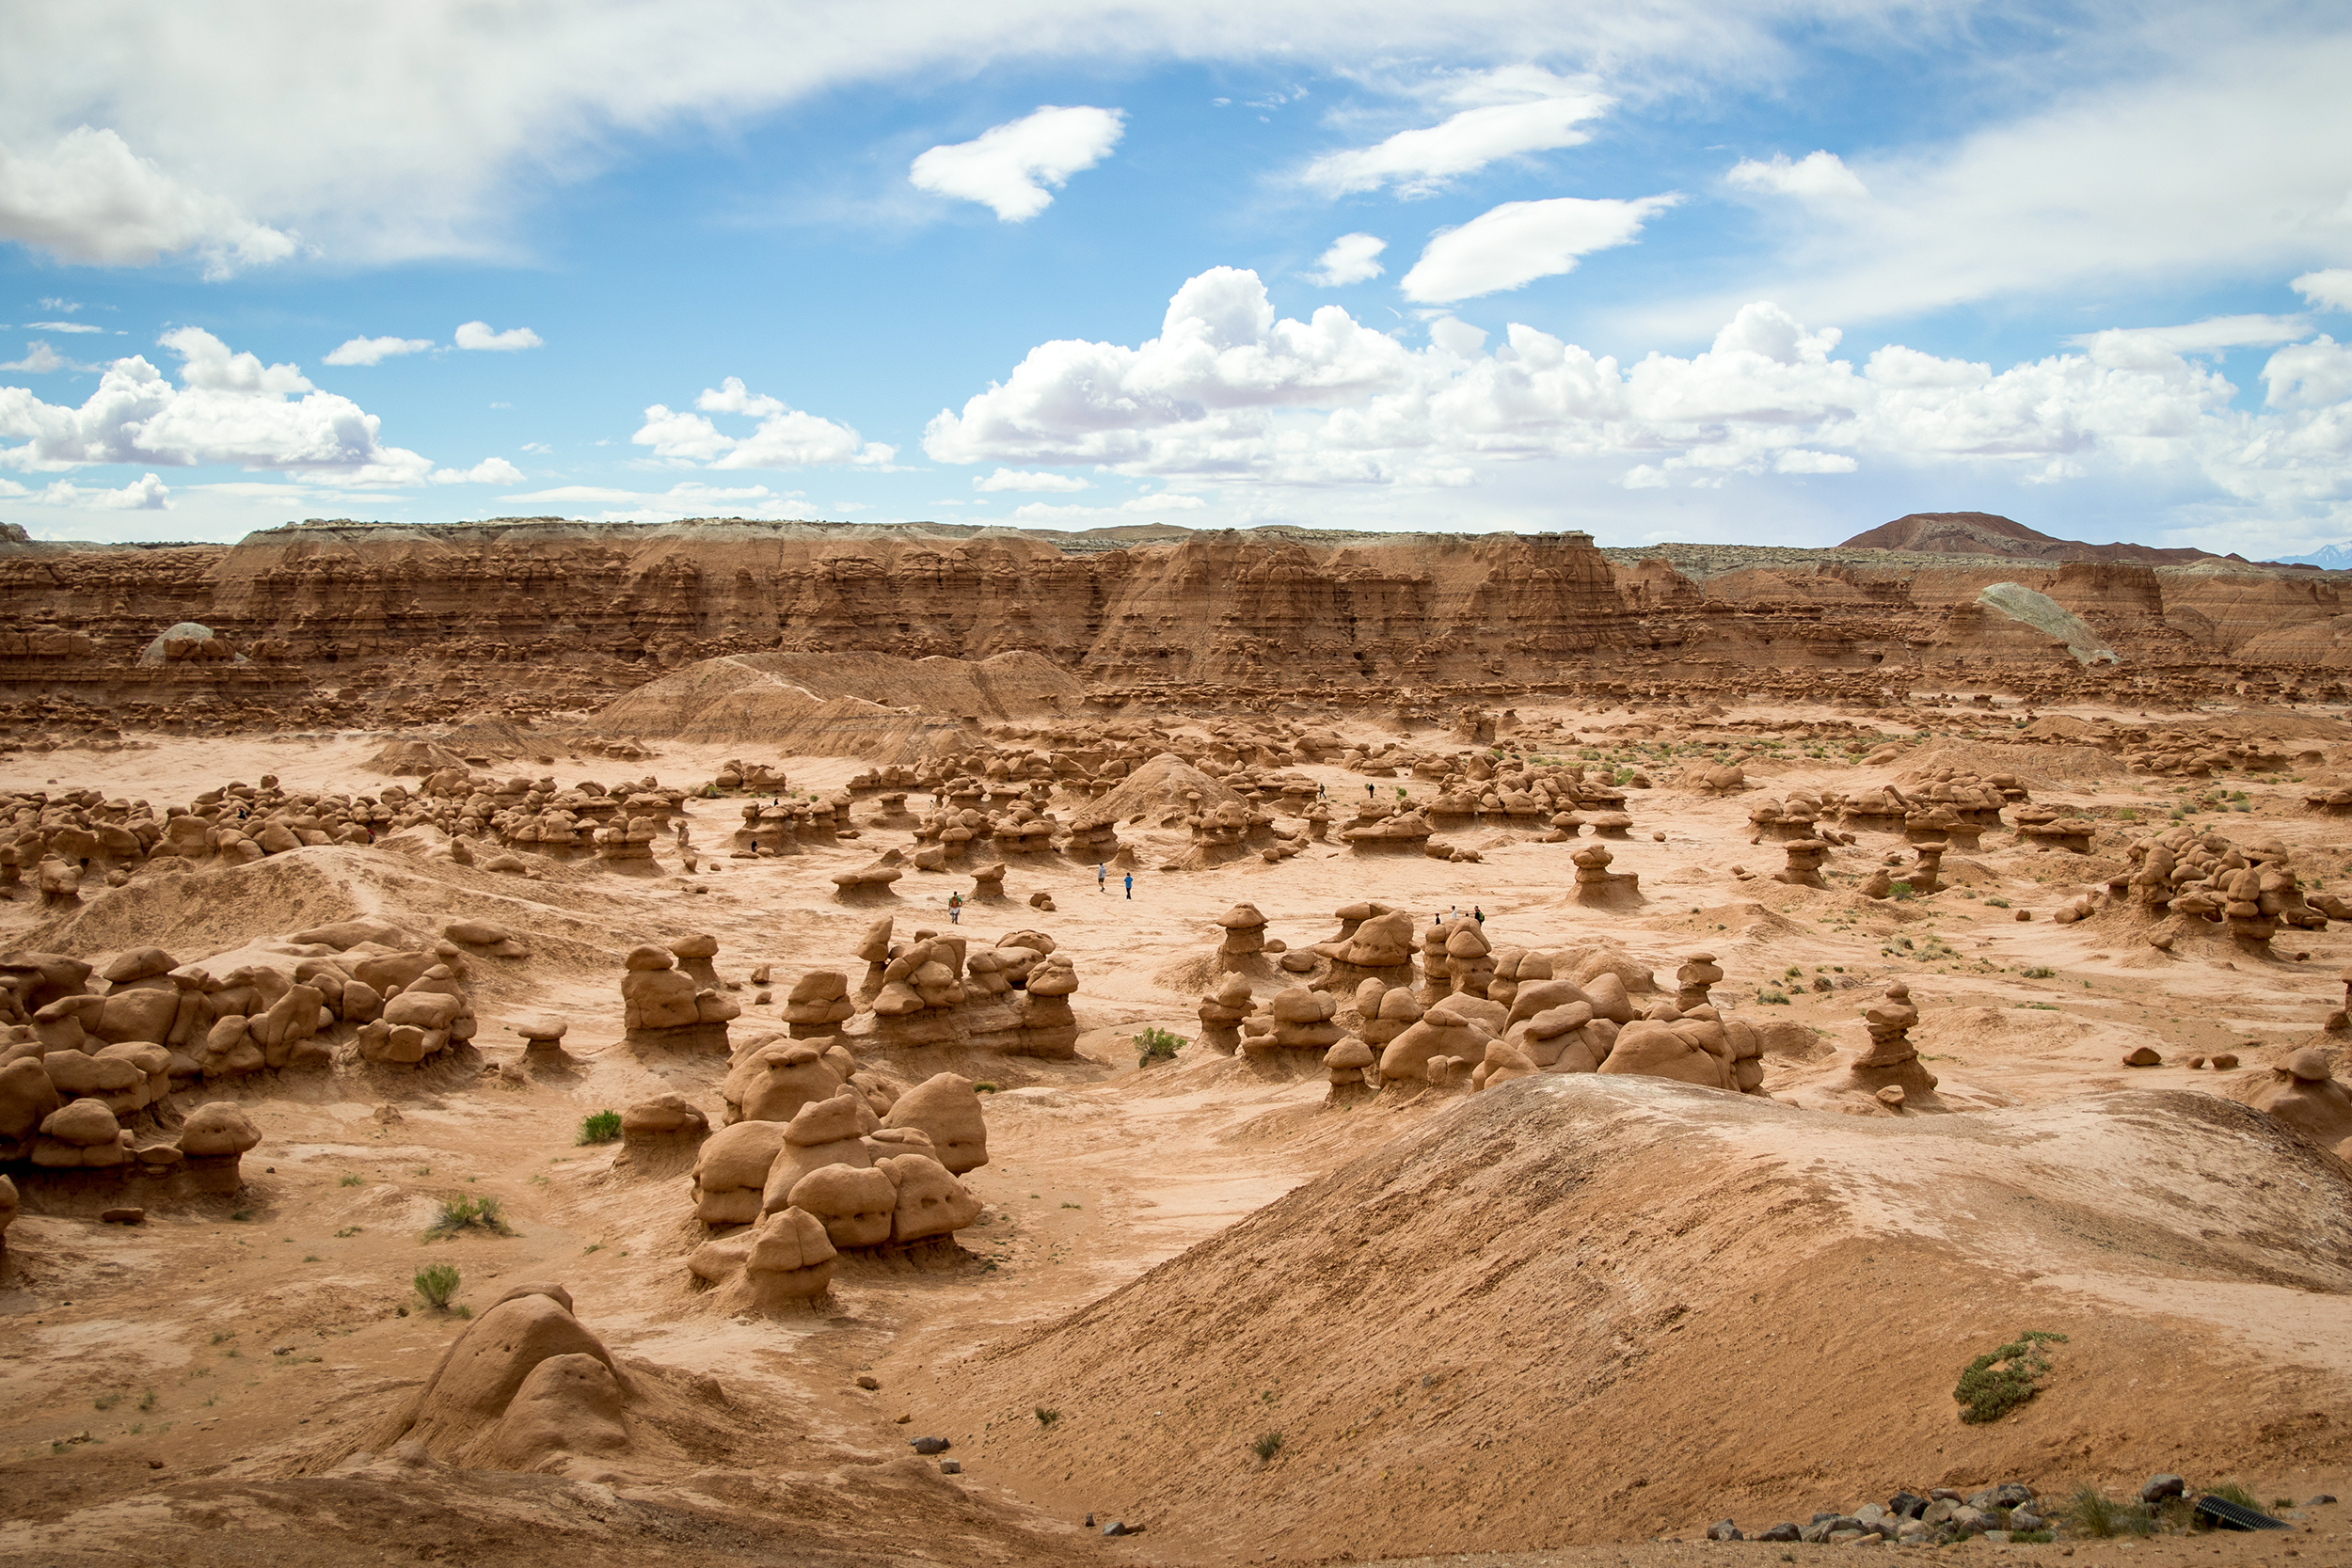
column 2043, row 766
column 868, row 706
column 1159, row 792
column 224, row 908
column 1588, row 1307
column 489, row 737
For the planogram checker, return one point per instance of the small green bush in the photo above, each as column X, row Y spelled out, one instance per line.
column 1158, row 1045
column 604, row 1127
column 2000, row 1380
column 1047, row 1417
column 1771, row 998
column 1267, row 1446
column 436, row 1283
column 352, row 1178
column 2040, row 972
column 468, row 1214
column 1998, row 903
column 2090, row 1511
column 2231, row 1492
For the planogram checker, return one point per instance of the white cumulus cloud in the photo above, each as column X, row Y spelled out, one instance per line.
column 88, row 197
column 490, row 470
column 228, row 409
column 374, row 351
column 1519, row 242
column 2210, row 336
column 1421, row 162
column 2313, row 376
column 1352, row 258
column 785, row 438
column 1229, row 393
column 477, row 334
column 2330, row 289
column 689, row 498
column 1046, row 512
column 145, row 494
column 1013, row 479
column 64, row 327
column 1796, row 460
column 1221, row 359
column 40, row 360
column 1008, row 167
column 1815, row 177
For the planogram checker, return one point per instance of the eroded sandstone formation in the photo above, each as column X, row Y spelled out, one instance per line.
column 334, row 624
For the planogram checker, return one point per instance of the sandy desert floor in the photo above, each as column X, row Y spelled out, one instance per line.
column 1791, row 1291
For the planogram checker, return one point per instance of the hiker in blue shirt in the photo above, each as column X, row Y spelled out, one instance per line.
column 1131, row 884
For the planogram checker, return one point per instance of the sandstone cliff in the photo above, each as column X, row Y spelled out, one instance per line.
column 339, row 625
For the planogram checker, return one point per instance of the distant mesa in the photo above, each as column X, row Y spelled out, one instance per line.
column 1985, row 534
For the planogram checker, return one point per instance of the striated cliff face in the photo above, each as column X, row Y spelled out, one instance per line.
column 1215, row 607
column 340, row 623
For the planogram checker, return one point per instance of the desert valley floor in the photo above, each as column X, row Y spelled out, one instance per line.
column 1588, row 1119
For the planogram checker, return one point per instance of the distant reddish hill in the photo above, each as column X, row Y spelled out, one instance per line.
column 1984, row 533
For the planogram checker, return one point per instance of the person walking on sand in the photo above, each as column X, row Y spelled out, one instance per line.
column 1102, row 877
column 1480, row 915
column 1367, row 792
column 954, row 909
column 1131, row 884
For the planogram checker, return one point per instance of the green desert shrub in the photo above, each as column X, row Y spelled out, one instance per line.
column 2002, row 1379
column 436, row 1283
column 1158, row 1045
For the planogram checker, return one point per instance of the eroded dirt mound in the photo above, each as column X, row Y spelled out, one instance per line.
column 829, row 1515
column 1589, row 1307
column 564, row 919
column 1160, row 793
column 1988, row 534
column 837, row 704
column 2044, row 767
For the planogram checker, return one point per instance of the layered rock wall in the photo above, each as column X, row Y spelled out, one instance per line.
column 338, row 624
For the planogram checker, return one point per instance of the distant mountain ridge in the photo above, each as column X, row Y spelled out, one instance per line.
column 2327, row 557
column 1985, row 534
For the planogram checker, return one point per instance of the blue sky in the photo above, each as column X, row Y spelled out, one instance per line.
column 1769, row 272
